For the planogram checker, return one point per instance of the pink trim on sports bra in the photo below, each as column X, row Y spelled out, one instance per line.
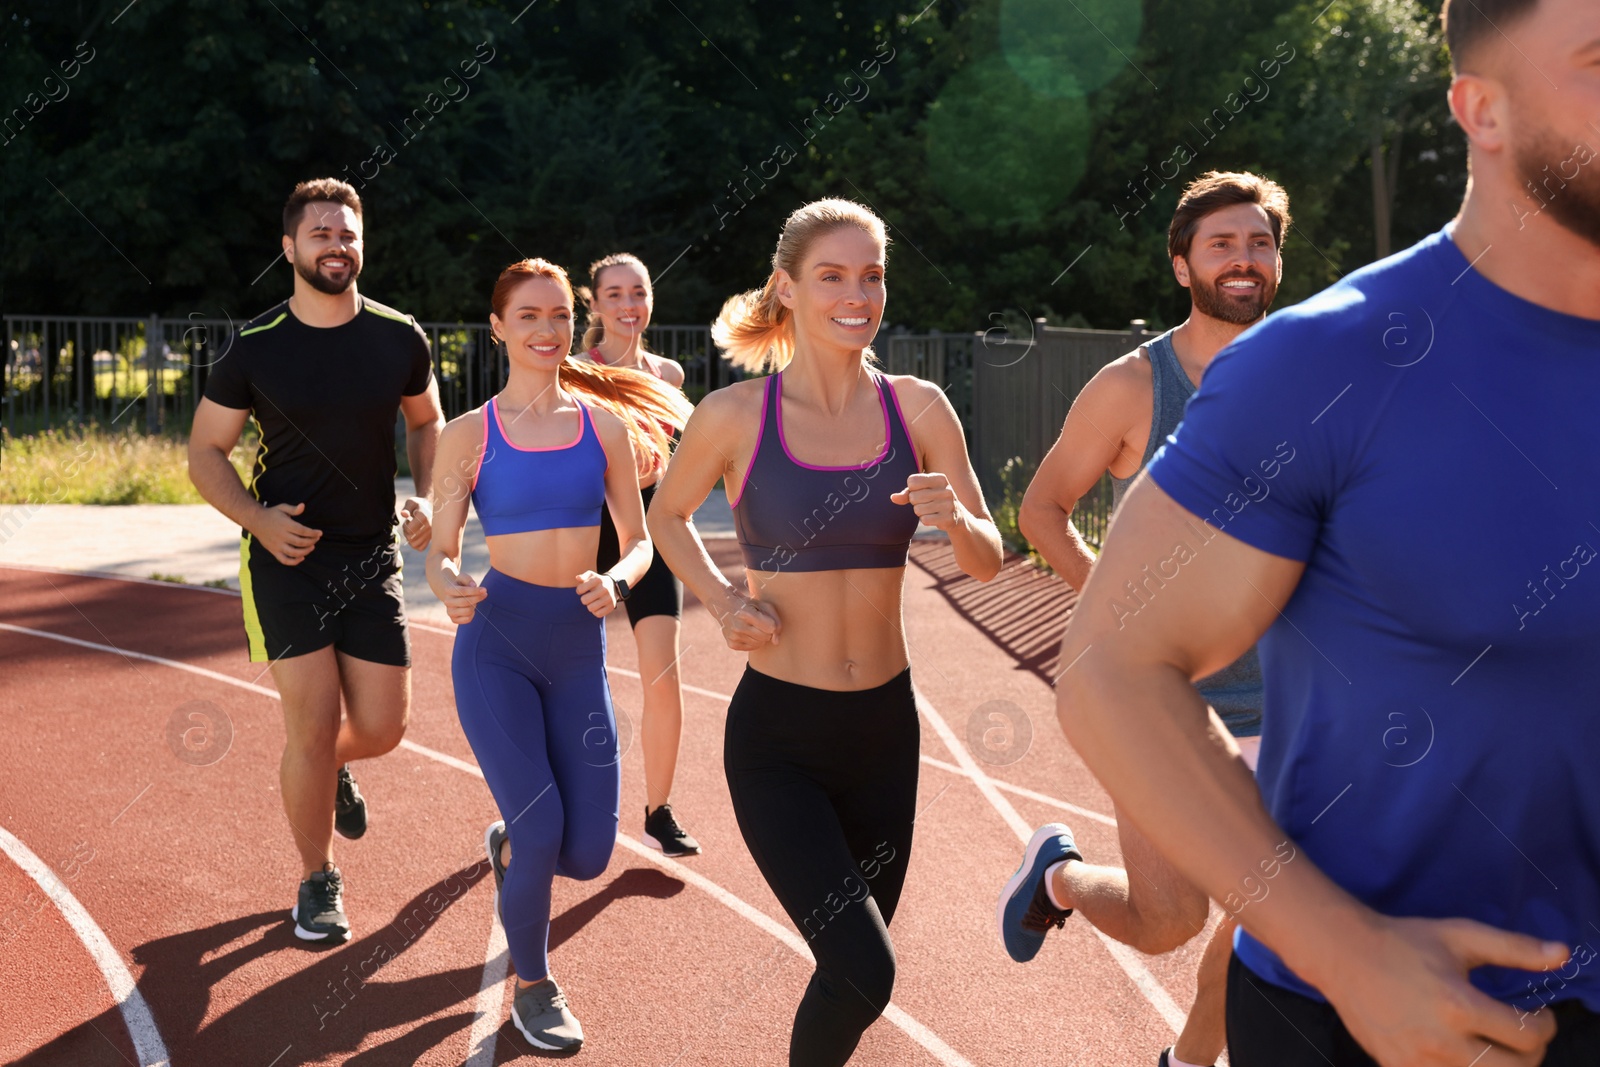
column 761, row 429
column 483, row 449
column 882, row 402
column 898, row 410
column 583, row 413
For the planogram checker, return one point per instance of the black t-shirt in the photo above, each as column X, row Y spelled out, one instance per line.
column 325, row 401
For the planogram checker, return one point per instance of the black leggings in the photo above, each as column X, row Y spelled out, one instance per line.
column 1269, row 1026
column 824, row 786
column 659, row 592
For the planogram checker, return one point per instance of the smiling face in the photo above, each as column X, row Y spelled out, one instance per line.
column 537, row 324
column 623, row 300
column 1233, row 266
column 837, row 296
column 327, row 247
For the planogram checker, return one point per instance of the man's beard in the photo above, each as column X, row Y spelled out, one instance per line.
column 1575, row 205
column 1214, row 301
column 321, row 284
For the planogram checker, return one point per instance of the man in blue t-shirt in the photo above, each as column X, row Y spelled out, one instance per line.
column 1395, row 486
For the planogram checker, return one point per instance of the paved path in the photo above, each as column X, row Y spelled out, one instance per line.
column 196, row 543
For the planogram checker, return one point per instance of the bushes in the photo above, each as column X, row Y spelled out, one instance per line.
column 91, row 465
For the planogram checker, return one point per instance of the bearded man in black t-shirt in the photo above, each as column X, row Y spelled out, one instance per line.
column 323, row 375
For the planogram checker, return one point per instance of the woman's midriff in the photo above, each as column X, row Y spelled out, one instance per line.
column 841, row 630
column 545, row 557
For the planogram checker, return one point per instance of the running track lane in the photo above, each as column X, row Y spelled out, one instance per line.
column 632, row 988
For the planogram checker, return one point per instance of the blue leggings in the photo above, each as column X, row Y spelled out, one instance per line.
column 534, row 702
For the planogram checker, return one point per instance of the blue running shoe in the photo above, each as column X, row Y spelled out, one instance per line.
column 1025, row 913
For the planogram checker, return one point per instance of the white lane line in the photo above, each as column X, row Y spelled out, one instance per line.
column 895, row 1015
column 1126, row 957
column 450, row 632
column 915, row 1030
column 931, row 761
column 147, row 1043
column 485, row 1032
column 1028, row 793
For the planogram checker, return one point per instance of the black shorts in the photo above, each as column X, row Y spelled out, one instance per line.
column 350, row 597
column 1269, row 1026
column 659, row 592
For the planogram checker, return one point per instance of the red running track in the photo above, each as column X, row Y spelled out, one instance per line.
column 162, row 859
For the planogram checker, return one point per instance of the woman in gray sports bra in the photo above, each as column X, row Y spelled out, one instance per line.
column 828, row 484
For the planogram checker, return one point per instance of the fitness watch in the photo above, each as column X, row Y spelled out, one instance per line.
column 621, row 586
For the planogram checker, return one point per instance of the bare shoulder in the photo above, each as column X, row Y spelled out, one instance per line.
column 606, row 422
column 464, row 430
column 669, row 370
column 916, row 395
column 732, row 405
column 1121, row 386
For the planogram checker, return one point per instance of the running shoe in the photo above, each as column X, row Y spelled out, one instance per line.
column 349, row 807
column 1025, row 913
column 492, row 838
column 319, row 913
column 662, row 832
column 541, row 1013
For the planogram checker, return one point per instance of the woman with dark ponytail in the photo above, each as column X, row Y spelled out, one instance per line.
column 620, row 302
column 830, row 466
column 540, row 462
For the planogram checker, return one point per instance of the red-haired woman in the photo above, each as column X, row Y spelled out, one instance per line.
column 541, row 461
column 829, row 466
column 620, row 303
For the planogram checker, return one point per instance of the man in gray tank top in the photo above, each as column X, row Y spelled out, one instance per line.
column 1224, row 244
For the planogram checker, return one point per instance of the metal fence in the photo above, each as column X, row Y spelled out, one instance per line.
column 1010, row 393
column 71, row 370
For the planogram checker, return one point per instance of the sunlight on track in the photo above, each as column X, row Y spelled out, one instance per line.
column 919, row 1033
column 147, row 1043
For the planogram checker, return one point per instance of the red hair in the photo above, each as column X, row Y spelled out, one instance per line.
column 627, row 394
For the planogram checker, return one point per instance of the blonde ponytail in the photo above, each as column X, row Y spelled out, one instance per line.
column 753, row 329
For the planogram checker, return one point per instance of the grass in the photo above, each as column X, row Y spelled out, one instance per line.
column 91, row 465
column 178, row 579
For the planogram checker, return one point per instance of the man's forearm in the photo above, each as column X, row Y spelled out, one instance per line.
column 219, row 484
column 421, row 444
column 1055, row 538
column 1143, row 730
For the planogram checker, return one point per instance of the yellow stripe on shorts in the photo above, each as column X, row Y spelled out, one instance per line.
column 252, row 621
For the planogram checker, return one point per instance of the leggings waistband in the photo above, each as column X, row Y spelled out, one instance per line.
column 540, row 603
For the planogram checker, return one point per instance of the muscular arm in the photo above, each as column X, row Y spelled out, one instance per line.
column 1127, row 705
column 1092, row 439
column 424, row 423
column 215, row 431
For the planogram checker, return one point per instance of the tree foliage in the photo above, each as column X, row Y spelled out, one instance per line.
column 1002, row 140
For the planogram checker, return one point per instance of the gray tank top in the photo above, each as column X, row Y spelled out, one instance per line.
column 1235, row 691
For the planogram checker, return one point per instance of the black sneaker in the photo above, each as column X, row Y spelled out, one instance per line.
column 540, row 1011
column 349, row 808
column 661, row 831
column 492, row 838
column 319, row 913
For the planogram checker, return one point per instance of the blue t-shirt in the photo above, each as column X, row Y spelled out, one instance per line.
column 1424, row 442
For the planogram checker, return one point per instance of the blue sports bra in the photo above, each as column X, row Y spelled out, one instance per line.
column 520, row 489
column 794, row 516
